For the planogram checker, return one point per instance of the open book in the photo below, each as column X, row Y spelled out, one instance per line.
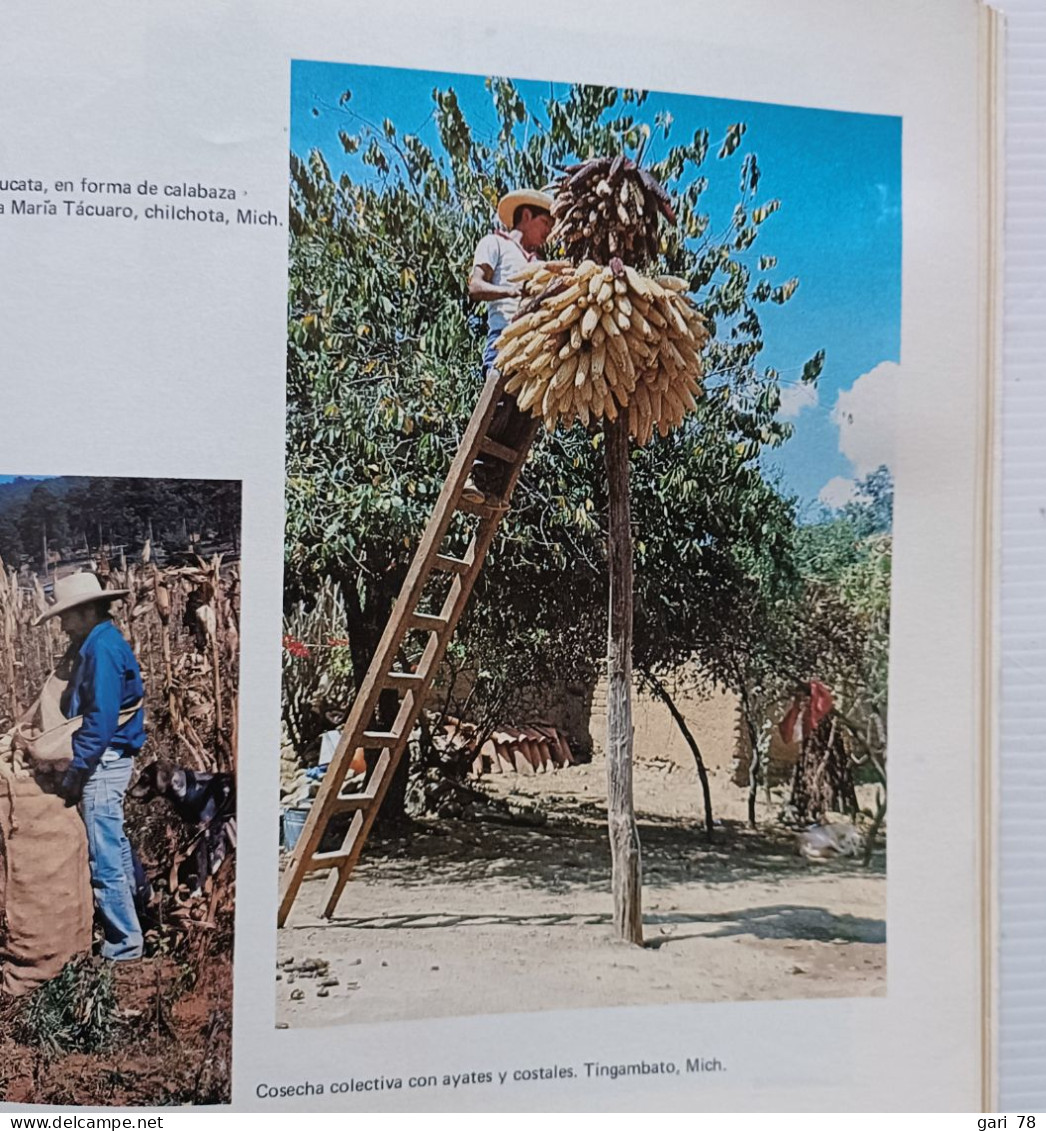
column 540, row 464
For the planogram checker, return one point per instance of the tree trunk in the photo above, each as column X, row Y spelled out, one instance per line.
column 756, row 769
column 661, row 692
column 873, row 832
column 621, row 819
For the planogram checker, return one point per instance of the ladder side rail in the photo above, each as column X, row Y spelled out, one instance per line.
column 366, row 699
column 453, row 607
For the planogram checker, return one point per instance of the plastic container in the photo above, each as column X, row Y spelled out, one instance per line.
column 293, row 823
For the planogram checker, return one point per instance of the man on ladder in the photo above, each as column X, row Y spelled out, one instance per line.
column 494, row 447
column 527, row 221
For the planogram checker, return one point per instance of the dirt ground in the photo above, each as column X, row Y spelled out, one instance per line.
column 466, row 917
column 172, row 1047
column 171, row 1041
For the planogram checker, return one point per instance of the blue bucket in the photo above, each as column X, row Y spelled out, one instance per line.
column 293, row 823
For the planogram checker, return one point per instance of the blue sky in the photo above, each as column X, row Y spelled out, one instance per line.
column 838, row 177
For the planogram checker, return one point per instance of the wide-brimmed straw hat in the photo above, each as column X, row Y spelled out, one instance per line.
column 77, row 589
column 508, row 204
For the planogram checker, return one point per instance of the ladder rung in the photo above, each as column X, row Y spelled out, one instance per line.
column 428, row 622
column 451, row 565
column 484, row 510
column 327, row 860
column 353, row 801
column 408, row 679
column 498, row 451
column 374, row 738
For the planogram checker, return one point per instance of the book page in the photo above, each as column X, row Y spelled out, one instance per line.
column 416, row 373
column 1022, row 995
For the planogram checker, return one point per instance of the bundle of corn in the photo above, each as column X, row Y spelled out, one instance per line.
column 609, row 206
column 593, row 341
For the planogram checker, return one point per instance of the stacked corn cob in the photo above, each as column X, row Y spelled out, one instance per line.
column 595, row 341
column 607, row 207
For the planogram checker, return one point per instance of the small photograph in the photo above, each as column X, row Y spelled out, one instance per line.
column 588, row 547
column 119, row 677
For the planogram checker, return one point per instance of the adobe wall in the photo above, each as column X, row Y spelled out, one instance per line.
column 712, row 719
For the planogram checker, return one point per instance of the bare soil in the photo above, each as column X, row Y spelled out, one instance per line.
column 465, row 917
column 172, row 1040
column 167, row 1052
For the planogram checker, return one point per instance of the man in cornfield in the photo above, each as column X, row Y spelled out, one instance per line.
column 527, row 221
column 105, row 690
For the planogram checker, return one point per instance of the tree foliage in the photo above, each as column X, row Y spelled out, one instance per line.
column 848, row 564
column 78, row 513
column 382, row 377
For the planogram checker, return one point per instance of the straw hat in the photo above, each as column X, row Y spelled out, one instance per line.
column 508, row 204
column 77, row 589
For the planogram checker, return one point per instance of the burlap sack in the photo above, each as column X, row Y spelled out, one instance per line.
column 47, row 735
column 46, row 906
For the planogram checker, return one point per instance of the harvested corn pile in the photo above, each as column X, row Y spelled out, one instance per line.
column 594, row 337
column 609, row 206
column 597, row 340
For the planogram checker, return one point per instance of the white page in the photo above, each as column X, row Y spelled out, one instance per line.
column 1022, row 1001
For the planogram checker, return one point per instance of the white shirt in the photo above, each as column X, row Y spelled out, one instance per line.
column 503, row 253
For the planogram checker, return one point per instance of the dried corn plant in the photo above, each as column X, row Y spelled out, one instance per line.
column 183, row 624
column 27, row 654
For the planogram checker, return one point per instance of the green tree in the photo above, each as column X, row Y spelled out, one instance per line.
column 11, row 548
column 44, row 521
column 847, row 559
column 843, row 639
column 382, row 367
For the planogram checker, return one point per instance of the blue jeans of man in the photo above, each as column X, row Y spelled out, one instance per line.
column 508, row 425
column 109, row 851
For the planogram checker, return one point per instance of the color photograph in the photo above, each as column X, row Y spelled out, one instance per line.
column 588, row 547
column 119, row 658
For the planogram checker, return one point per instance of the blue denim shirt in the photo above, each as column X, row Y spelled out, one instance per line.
column 105, row 680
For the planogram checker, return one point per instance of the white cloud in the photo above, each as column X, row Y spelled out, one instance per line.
column 864, row 414
column 794, row 398
column 838, row 492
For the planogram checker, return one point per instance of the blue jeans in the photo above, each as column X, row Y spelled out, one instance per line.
column 109, row 851
column 490, row 354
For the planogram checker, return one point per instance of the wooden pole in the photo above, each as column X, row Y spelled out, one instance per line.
column 626, row 876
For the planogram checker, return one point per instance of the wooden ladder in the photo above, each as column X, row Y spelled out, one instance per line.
column 385, row 671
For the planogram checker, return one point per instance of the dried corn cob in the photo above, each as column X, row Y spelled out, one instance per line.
column 593, row 341
column 609, row 207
